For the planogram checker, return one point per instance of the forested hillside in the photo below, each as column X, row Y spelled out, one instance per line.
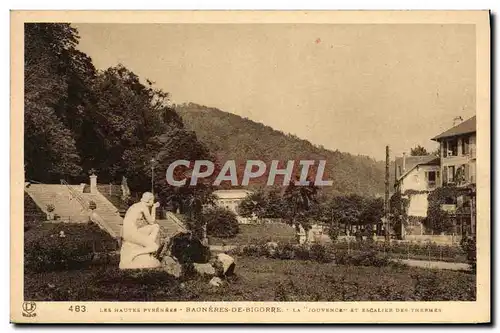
column 229, row 136
column 80, row 120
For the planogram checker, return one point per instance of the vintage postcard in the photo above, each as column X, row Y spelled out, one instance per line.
column 250, row 167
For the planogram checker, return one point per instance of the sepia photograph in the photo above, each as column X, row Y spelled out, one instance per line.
column 304, row 167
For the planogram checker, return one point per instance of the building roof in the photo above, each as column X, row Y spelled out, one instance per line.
column 468, row 126
column 232, row 194
column 413, row 161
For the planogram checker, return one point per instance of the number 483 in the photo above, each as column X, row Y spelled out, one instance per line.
column 78, row 308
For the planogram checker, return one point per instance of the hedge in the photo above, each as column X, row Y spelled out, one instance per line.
column 315, row 252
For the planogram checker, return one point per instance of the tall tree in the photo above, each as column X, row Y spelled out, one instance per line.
column 50, row 150
column 419, row 151
column 298, row 202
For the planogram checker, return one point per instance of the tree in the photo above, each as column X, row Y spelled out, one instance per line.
column 253, row 204
column 419, row 151
column 78, row 118
column 297, row 203
column 347, row 210
column 274, row 205
column 437, row 152
column 49, row 146
column 221, row 222
column 372, row 213
column 437, row 219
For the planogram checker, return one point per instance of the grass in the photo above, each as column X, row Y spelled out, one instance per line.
column 256, row 279
column 258, row 233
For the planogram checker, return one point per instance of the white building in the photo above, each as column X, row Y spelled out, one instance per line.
column 231, row 199
column 416, row 176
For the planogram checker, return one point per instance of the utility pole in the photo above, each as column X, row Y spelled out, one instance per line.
column 386, row 206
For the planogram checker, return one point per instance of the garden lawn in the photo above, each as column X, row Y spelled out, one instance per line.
column 258, row 233
column 257, row 279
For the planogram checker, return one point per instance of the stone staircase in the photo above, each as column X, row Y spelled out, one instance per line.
column 67, row 208
column 172, row 224
column 71, row 205
column 107, row 212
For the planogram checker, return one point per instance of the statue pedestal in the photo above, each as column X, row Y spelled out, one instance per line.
column 131, row 257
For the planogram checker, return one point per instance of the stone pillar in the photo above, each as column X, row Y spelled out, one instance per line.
column 93, row 183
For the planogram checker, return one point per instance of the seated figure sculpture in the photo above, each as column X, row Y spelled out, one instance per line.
column 139, row 235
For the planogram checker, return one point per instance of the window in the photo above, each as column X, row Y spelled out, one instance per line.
column 465, row 146
column 431, row 178
column 452, row 147
column 451, row 174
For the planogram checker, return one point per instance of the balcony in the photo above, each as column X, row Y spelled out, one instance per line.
column 472, row 152
column 449, row 208
column 431, row 185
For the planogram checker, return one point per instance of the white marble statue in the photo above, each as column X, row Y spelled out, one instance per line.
column 139, row 235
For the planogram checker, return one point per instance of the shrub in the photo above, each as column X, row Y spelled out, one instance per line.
column 285, row 251
column 55, row 246
column 303, row 252
column 319, row 253
column 468, row 244
column 369, row 258
column 50, row 208
column 254, row 250
column 221, row 222
column 188, row 249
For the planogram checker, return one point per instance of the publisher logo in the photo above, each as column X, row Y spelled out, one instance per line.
column 29, row 309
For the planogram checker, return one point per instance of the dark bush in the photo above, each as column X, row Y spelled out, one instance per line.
column 468, row 244
column 55, row 246
column 285, row 251
column 302, row 252
column 254, row 251
column 319, row 253
column 221, row 222
column 188, row 249
column 369, row 258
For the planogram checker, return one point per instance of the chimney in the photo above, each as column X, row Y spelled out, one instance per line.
column 404, row 162
column 457, row 120
column 93, row 183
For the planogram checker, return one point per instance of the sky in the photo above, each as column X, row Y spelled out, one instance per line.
column 351, row 87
